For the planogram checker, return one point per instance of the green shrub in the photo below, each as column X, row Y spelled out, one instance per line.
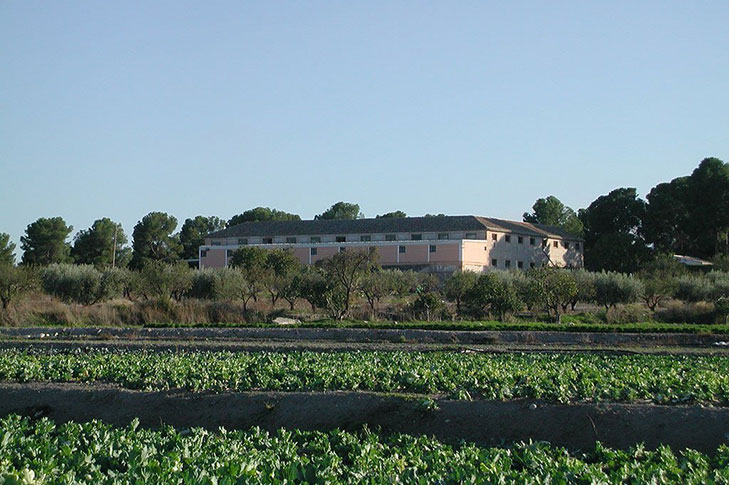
column 682, row 312
column 614, row 288
column 632, row 313
column 494, row 294
column 83, row 283
column 694, row 289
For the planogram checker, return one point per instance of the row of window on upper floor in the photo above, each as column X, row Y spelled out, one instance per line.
column 341, row 239
column 393, row 237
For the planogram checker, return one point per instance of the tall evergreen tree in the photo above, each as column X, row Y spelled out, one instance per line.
column 45, row 242
column 152, row 240
column 193, row 232
column 102, row 245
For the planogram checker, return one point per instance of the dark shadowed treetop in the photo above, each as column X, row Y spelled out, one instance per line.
column 262, row 214
column 152, row 240
column 193, row 232
column 341, row 210
column 392, row 214
column 435, row 215
column 7, row 256
column 45, row 242
column 96, row 245
column 708, row 200
column 690, row 215
column 552, row 212
column 612, row 223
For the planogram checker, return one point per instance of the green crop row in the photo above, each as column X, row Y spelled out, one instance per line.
column 559, row 377
column 43, row 452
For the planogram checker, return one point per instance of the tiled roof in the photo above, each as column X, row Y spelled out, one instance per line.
column 386, row 225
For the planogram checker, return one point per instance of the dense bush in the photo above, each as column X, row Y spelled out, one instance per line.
column 494, row 294
column 14, row 282
column 614, row 288
column 683, row 312
column 162, row 280
column 83, row 283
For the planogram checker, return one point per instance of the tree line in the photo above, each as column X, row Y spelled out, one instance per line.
column 353, row 279
column 688, row 215
column 105, row 243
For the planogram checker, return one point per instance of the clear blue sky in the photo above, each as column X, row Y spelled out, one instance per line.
column 116, row 109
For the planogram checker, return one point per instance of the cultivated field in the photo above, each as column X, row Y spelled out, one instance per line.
column 362, row 405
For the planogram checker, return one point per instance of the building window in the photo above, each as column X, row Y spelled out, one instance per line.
column 216, row 243
column 531, row 265
column 532, row 241
column 389, row 237
column 485, row 248
column 342, row 249
column 555, row 244
column 544, row 243
column 471, row 235
column 432, row 248
column 494, row 262
column 365, row 238
column 267, row 240
column 443, row 236
column 204, row 253
column 494, row 237
column 577, row 245
column 401, row 249
column 507, row 263
column 566, row 244
column 341, row 239
column 229, row 253
column 416, row 237
column 313, row 251
column 507, row 238
column 520, row 264
column 315, row 239
column 291, row 240
column 243, row 241
column 520, row 240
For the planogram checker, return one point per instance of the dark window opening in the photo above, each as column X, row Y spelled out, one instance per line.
column 416, row 237
column 389, row 237
column 341, row 239
column 401, row 249
column 267, row 240
column 494, row 262
column 313, row 251
column 432, row 248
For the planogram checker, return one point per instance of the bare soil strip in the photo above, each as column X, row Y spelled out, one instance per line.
column 364, row 335
column 329, row 346
column 575, row 426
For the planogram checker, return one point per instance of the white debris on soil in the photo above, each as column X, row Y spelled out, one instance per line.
column 286, row 321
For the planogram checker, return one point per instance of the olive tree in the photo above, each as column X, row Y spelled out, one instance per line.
column 457, row 286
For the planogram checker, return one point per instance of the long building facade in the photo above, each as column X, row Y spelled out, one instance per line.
column 440, row 244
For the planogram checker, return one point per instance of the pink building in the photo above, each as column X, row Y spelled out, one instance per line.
column 440, row 244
